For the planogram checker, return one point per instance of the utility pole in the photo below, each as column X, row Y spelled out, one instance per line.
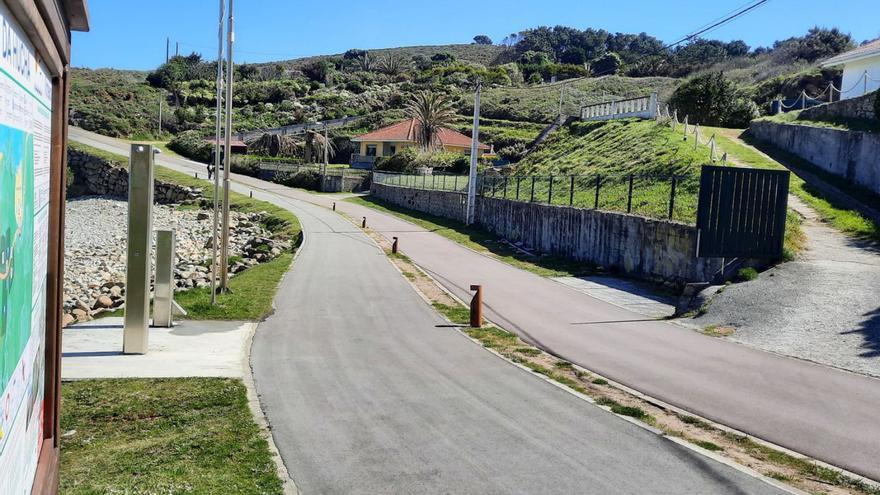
column 227, row 159
column 167, row 48
column 176, row 48
column 217, row 153
column 161, row 96
column 326, row 157
column 475, row 140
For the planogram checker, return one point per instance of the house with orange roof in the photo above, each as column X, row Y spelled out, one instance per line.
column 389, row 140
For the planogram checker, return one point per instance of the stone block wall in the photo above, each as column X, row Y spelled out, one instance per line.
column 852, row 155
column 95, row 176
column 861, row 108
column 651, row 249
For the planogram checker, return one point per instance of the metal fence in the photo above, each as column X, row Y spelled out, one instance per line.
column 650, row 195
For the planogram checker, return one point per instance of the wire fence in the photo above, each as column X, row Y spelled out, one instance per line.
column 656, row 196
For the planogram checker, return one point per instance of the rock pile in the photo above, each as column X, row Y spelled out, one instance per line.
column 95, row 249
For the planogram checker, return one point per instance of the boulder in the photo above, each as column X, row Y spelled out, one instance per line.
column 103, row 302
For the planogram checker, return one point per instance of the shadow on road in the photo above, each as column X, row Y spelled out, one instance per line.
column 870, row 330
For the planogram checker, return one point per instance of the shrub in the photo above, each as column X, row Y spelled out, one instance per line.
column 513, row 153
column 402, row 161
column 302, row 178
column 746, row 274
column 191, row 145
column 712, row 99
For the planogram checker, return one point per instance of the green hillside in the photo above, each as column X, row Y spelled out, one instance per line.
column 115, row 103
column 478, row 54
column 609, row 152
column 541, row 103
column 617, row 146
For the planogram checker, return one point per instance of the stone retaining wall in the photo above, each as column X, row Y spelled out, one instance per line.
column 852, row 155
column 861, row 108
column 95, row 176
column 656, row 250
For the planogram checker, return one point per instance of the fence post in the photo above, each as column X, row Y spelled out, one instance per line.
column 804, row 97
column 598, row 184
column 532, row 198
column 865, row 75
column 505, row 187
column 696, row 136
column 550, row 192
column 455, row 183
column 424, row 181
column 518, row 180
column 433, row 181
column 629, row 197
column 672, row 198
column 571, row 192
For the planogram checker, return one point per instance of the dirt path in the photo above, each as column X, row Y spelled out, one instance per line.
column 824, row 306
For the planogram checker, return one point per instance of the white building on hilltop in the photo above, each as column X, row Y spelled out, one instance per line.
column 861, row 70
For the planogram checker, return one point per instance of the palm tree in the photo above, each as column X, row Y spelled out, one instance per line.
column 431, row 112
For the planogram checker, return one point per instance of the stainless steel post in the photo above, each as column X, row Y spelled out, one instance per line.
column 140, row 233
column 227, row 158
column 217, row 154
column 163, row 292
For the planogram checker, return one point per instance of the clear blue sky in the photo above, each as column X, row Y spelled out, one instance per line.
column 129, row 37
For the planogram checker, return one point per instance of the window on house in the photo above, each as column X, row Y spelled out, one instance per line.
column 371, row 150
column 392, row 149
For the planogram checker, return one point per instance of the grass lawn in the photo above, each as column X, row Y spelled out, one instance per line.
column 839, row 217
column 481, row 241
column 152, row 436
column 252, row 290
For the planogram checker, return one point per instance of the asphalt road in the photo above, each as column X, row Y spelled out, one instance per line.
column 368, row 391
column 825, row 413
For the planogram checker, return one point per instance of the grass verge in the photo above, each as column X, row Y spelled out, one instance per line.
column 799, row 472
column 481, row 241
column 181, row 435
column 838, row 216
column 252, row 290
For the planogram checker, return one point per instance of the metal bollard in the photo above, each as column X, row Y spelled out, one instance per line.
column 364, row 223
column 164, row 287
column 394, row 246
column 135, row 338
column 477, row 307
column 334, row 206
column 252, row 194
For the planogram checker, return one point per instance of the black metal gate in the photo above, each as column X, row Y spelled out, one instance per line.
column 741, row 212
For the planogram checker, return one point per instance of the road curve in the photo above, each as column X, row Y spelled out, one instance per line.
column 368, row 391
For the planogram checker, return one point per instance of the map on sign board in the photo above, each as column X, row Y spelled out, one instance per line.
column 25, row 133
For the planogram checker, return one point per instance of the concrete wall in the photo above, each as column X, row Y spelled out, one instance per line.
column 861, row 107
column 95, row 176
column 656, row 250
column 854, row 156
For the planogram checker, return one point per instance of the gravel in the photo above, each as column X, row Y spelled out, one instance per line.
column 95, row 243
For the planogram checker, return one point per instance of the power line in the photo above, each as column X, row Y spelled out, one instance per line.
column 718, row 24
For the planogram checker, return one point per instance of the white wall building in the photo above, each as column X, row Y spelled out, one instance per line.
column 861, row 70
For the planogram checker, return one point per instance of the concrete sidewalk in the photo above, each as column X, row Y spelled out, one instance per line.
column 192, row 348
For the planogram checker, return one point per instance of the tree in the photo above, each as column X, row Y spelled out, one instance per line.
column 482, row 39
column 574, row 56
column 712, row 99
column 822, row 43
column 737, row 48
column 431, row 112
column 608, row 64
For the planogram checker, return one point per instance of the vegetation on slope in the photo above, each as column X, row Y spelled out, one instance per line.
column 616, row 147
column 115, row 103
